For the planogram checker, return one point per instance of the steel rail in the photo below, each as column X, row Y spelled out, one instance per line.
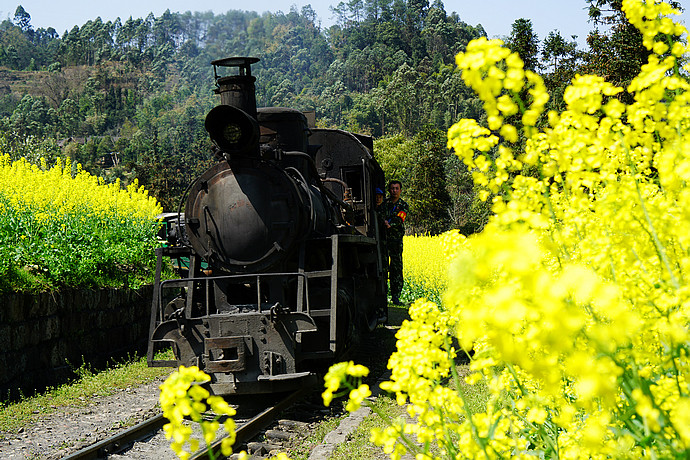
column 115, row 443
column 244, row 432
column 252, row 427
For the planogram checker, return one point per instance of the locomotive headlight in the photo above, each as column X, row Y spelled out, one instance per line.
column 232, row 133
column 233, row 130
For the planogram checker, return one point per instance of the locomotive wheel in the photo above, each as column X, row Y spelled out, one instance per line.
column 174, row 305
column 346, row 319
column 371, row 319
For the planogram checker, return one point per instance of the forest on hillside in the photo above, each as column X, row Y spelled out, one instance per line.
column 127, row 99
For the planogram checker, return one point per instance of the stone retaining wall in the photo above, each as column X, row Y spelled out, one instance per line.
column 44, row 337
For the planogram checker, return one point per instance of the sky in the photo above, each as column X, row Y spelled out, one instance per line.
column 569, row 17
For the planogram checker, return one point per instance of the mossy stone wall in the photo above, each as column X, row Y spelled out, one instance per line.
column 44, row 337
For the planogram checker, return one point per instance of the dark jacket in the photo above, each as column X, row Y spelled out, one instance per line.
column 395, row 214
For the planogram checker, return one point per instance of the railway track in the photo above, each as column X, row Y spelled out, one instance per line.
column 246, row 430
column 63, row 433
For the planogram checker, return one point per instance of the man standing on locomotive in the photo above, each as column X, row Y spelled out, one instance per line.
column 395, row 211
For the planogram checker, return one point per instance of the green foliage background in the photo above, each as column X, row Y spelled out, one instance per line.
column 127, row 98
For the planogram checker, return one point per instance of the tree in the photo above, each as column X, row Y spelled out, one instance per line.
column 403, row 99
column 22, row 19
column 459, row 100
column 12, row 57
column 618, row 54
column 377, row 10
column 555, row 49
column 33, row 117
column 415, row 18
column 362, row 117
column 427, row 193
column 394, row 154
column 55, row 86
column 68, row 118
column 438, row 33
column 524, row 41
column 562, row 60
column 18, row 48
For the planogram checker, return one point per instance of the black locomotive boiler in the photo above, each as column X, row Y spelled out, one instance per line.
column 278, row 250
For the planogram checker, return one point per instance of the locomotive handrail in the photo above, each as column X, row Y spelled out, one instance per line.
column 184, row 239
column 335, row 180
column 366, row 178
column 183, row 282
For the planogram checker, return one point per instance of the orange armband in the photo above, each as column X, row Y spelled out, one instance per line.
column 402, row 215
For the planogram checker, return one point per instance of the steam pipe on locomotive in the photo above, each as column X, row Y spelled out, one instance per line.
column 279, row 271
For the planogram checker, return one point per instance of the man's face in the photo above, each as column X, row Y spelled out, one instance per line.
column 379, row 199
column 395, row 190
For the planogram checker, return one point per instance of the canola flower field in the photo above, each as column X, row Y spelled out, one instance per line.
column 62, row 227
column 575, row 296
column 426, row 261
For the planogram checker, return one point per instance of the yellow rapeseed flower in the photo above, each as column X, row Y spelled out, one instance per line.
column 574, row 298
column 182, row 396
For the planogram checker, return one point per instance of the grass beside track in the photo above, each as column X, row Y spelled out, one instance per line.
column 133, row 372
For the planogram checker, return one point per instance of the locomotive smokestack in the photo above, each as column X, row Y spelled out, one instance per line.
column 232, row 125
column 237, row 90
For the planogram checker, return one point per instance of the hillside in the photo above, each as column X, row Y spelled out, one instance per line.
column 140, row 88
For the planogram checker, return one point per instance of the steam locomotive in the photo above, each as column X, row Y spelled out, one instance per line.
column 279, row 251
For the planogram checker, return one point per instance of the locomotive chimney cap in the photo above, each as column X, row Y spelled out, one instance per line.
column 236, row 90
column 244, row 64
